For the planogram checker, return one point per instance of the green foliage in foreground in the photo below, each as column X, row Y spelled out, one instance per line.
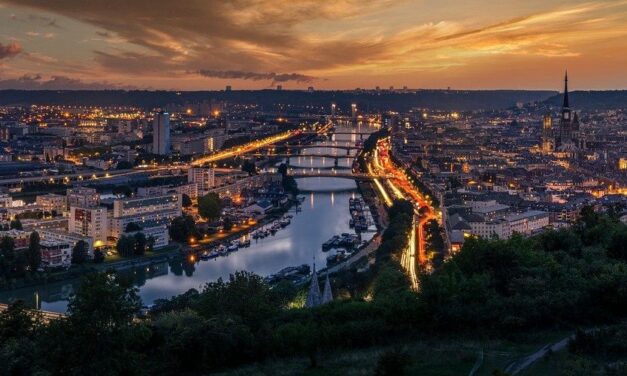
column 566, row 278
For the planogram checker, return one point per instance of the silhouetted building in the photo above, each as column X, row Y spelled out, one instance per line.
column 161, row 133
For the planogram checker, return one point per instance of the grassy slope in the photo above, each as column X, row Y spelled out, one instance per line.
column 429, row 358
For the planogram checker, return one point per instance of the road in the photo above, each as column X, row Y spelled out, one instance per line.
column 246, row 148
column 401, row 187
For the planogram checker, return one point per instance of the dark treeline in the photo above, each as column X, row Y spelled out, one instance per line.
column 491, row 288
column 592, row 100
column 369, row 145
column 436, row 99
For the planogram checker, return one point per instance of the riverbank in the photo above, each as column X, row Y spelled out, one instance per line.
column 172, row 251
column 240, row 230
column 368, row 193
column 76, row 271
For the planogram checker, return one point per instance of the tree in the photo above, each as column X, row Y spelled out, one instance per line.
column 210, row 206
column 126, row 245
column 124, row 165
column 16, row 224
column 150, row 244
column 182, row 228
column 99, row 331
column 7, row 256
column 140, row 243
column 98, row 256
column 454, row 183
column 249, row 166
column 132, row 227
column 245, row 295
column 186, row 201
column 80, row 252
column 392, row 363
column 289, row 184
column 19, row 329
column 282, row 169
column 34, row 251
column 122, row 190
column 227, row 224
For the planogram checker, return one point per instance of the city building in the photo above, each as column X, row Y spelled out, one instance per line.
column 204, row 178
column 5, row 200
column 55, row 253
column 158, row 233
column 60, row 236
column 146, row 212
column 20, row 238
column 82, row 197
column 52, row 202
column 548, row 138
column 161, row 133
column 570, row 139
column 91, row 222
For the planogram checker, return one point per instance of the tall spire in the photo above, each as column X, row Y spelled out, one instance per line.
column 566, row 104
column 327, row 294
column 313, row 297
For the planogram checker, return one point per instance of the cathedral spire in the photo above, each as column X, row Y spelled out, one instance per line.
column 327, row 294
column 566, row 104
column 313, row 297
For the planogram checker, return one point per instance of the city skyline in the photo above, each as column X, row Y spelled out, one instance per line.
column 480, row 44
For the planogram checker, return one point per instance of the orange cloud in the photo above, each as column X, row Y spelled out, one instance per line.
column 345, row 40
column 10, row 50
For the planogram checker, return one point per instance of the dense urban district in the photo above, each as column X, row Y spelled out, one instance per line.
column 365, row 232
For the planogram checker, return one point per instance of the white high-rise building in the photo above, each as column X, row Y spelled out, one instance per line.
column 146, row 212
column 82, row 197
column 205, row 178
column 161, row 133
column 91, row 222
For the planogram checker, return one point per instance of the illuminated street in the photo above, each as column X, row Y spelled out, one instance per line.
column 401, row 187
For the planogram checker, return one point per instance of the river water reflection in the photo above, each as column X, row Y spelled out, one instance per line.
column 324, row 213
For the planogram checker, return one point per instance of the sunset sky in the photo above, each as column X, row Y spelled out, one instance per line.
column 339, row 44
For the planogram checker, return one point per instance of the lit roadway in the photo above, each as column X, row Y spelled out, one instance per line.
column 401, row 187
column 247, row 148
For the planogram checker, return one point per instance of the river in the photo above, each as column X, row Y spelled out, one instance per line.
column 324, row 213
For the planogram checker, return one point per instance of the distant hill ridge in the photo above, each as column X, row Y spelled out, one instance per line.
column 459, row 100
column 590, row 100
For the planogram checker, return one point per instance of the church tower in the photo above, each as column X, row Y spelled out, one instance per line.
column 566, row 130
column 548, row 138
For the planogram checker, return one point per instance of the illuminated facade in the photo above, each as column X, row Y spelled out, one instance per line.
column 146, row 212
column 52, row 202
column 548, row 138
column 91, row 222
column 205, row 178
column 82, row 197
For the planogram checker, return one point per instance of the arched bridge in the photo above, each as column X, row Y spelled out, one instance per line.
column 316, row 146
column 305, row 155
column 332, row 174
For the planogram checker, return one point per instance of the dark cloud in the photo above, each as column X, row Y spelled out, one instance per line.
column 37, row 82
column 10, row 50
column 254, row 76
column 218, row 35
